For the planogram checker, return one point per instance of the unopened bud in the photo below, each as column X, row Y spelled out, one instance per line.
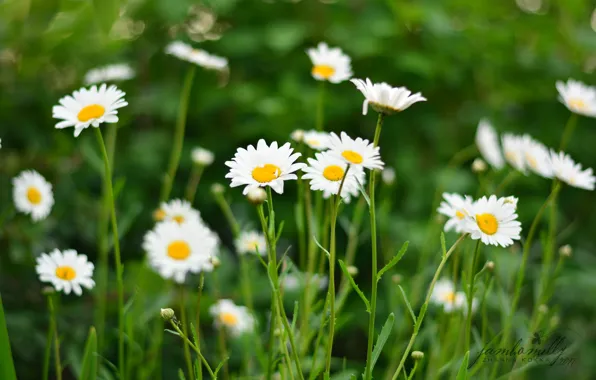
column 47, row 290
column 490, row 266
column 479, row 166
column 202, row 157
column 297, row 135
column 159, row 215
column 554, row 321
column 217, row 188
column 543, row 309
column 167, row 314
column 417, row 355
column 352, row 270
column 215, row 261
column 566, row 250
column 277, row 332
column 256, row 195
column 396, row 278
column 388, row 176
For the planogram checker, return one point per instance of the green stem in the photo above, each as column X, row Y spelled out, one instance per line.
column 54, row 328
column 195, row 348
column 198, row 319
column 223, row 351
column 509, row 178
column 568, row 131
column 310, row 267
column 471, row 294
column 193, row 182
column 229, row 215
column 48, row 351
column 272, row 324
column 246, row 288
column 320, row 121
column 184, row 322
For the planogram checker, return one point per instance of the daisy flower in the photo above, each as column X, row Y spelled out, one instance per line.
column 461, row 303
column 67, row 271
column 236, row 319
column 487, row 142
column 110, row 73
column 264, row 166
column 251, row 242
column 494, row 221
column 444, row 294
column 199, row 57
column 177, row 210
column 32, row 194
column 316, row 140
column 329, row 64
column 174, row 249
column 513, row 147
column 578, row 97
column 537, row 157
column 385, row 99
column 565, row 169
column 358, row 153
column 455, row 208
column 202, row 157
column 92, row 106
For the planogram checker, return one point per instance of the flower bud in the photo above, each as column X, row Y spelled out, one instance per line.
column 202, row 157
column 47, row 290
column 490, row 266
column 417, row 355
column 159, row 215
column 297, row 135
column 554, row 321
column 388, row 176
column 565, row 250
column 396, row 278
column 479, row 166
column 217, row 188
column 352, row 270
column 215, row 261
column 256, row 195
column 543, row 309
column 167, row 314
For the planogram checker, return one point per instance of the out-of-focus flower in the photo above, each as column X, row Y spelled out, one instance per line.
column 455, row 208
column 487, row 142
column 67, row 271
column 329, row 64
column 384, row 98
column 479, row 165
column 388, row 176
column 236, row 319
column 202, row 157
column 177, row 210
column 110, row 73
column 578, row 97
column 537, row 157
column 565, row 169
column 32, row 194
column 514, row 149
column 251, row 242
column 199, row 57
column 297, row 135
column 316, row 140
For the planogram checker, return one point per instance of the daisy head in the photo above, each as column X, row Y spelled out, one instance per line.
column 316, row 140
column 385, row 99
column 235, row 319
column 199, row 57
column 444, row 294
column 67, row 271
column 455, row 207
column 267, row 165
column 565, row 169
column 487, row 142
column 89, row 106
column 358, row 153
column 537, row 157
column 175, row 249
column 177, row 210
column 494, row 221
column 32, row 194
column 513, row 147
column 251, row 242
column 577, row 97
column 202, row 157
column 110, row 73
column 329, row 64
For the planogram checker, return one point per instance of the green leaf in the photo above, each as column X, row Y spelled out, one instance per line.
column 7, row 371
column 462, row 374
column 394, row 260
column 383, row 336
column 172, row 332
column 106, row 12
column 89, row 367
column 356, row 288
column 407, row 303
column 320, row 246
column 181, row 374
column 220, row 365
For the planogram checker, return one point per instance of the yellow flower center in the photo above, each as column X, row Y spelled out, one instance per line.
column 313, row 142
column 89, row 112
column 324, row 71
column 34, row 195
column 228, row 318
column 66, row 272
column 252, row 245
column 511, row 156
column 577, row 104
column 450, row 297
column 179, row 250
column 333, row 173
column 351, row 156
column 178, row 219
column 159, row 215
column 531, row 160
column 487, row 223
column 460, row 215
column 266, row 173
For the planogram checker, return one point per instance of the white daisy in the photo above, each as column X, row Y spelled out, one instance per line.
column 174, row 249
column 578, row 97
column 251, row 242
column 202, row 157
column 67, row 271
column 235, row 319
column 32, row 194
column 263, row 166
column 444, row 294
column 565, row 169
column 487, row 142
column 197, row 56
column 326, row 173
column 110, row 73
column 358, row 153
column 494, row 221
column 385, row 99
column 329, row 64
column 388, row 176
column 461, row 303
column 293, row 281
column 91, row 106
column 455, row 208
column 537, row 157
column 513, row 148
column 177, row 210
column 316, row 140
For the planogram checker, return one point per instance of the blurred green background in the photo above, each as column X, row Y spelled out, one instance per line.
column 470, row 59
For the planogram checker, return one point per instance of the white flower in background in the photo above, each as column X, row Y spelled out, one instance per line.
column 329, row 64
column 263, row 166
column 455, row 208
column 175, row 249
column 218, row 189
column 565, row 169
column 32, row 194
column 110, row 73
column 235, row 319
column 319, row 281
column 291, row 281
column 67, row 271
column 177, row 210
column 384, row 98
column 202, row 157
column 316, row 140
column 0, row 143
column 578, row 97
column 256, row 195
column 513, row 147
column 461, row 303
column 388, row 176
column 251, row 242
column 537, row 157
column 479, row 165
column 92, row 106
column 326, row 173
column 199, row 57
column 444, row 294
column 494, row 221
column 357, row 153
column 487, row 142
column 297, row 135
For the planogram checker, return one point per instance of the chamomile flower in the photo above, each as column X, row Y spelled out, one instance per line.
column 177, row 210
column 326, row 173
column 267, row 165
column 199, row 57
column 455, row 208
column 358, row 153
column 487, row 142
column 494, row 221
column 384, row 98
column 444, row 295
column 202, row 157
column 537, row 157
column 32, row 194
column 578, row 97
column 513, row 147
column 565, row 169
column 235, row 319
column 251, row 242
column 89, row 107
column 110, row 73
column 316, row 140
column 175, row 249
column 329, row 64
column 67, row 271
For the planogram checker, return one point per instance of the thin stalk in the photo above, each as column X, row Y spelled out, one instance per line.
column 223, row 351
column 310, row 267
column 229, row 215
column 246, row 283
column 184, row 322
column 48, row 351
column 193, row 182
column 195, row 348
column 198, row 318
column 568, row 131
column 300, row 226
column 272, row 323
column 320, row 121
column 54, row 328
column 509, row 178
column 549, row 251
column 474, row 263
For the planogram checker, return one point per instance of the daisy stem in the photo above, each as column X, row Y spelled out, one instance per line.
column 373, row 238
column 48, row 351
column 568, row 131
column 509, row 178
column 193, row 182
column 552, row 241
column 272, row 323
column 166, row 188
column 474, row 263
column 246, row 288
column 117, row 259
column 198, row 318
column 195, row 348
column 320, row 121
column 184, row 322
column 54, row 329
column 223, row 352
column 227, row 211
column 310, row 264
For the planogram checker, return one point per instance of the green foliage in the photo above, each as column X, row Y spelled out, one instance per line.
column 6, row 364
